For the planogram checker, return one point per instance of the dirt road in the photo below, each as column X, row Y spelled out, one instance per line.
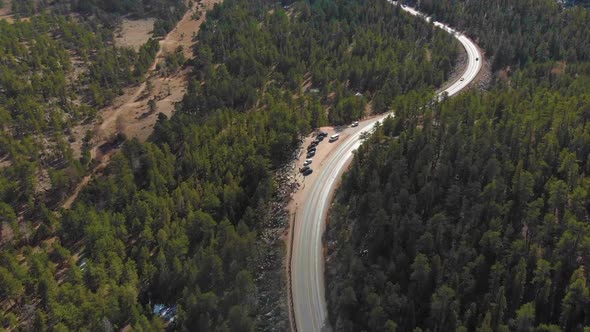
column 129, row 114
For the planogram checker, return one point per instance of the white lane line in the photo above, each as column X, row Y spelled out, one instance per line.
column 309, row 229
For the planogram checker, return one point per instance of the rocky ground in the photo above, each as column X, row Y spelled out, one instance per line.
column 484, row 78
column 271, row 280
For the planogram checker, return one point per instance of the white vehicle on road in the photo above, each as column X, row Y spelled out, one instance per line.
column 334, row 137
column 307, row 267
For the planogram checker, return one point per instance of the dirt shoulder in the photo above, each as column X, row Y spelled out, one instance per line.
column 324, row 151
column 483, row 80
column 129, row 114
column 459, row 69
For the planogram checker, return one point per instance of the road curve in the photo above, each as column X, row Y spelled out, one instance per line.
column 307, row 265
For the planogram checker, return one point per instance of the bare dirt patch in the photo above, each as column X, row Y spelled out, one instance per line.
column 186, row 30
column 6, row 10
column 134, row 33
column 559, row 68
column 6, row 13
column 130, row 114
column 304, row 183
column 5, row 162
column 324, row 150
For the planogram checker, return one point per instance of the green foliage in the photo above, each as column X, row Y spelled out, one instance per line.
column 167, row 12
column 472, row 213
column 464, row 214
column 518, row 32
column 178, row 220
column 47, row 102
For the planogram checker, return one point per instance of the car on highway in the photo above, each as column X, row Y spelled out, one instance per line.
column 462, row 78
column 307, row 172
column 355, row 124
column 307, row 265
column 307, row 162
column 334, row 137
column 476, row 59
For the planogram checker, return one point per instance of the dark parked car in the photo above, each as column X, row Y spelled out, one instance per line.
column 304, row 168
column 307, row 172
column 310, row 154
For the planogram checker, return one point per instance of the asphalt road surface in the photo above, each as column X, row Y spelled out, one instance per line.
column 307, row 279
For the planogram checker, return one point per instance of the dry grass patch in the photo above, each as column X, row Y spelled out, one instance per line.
column 559, row 68
column 134, row 33
column 6, row 12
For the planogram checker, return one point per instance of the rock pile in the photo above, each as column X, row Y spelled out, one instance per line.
column 271, row 279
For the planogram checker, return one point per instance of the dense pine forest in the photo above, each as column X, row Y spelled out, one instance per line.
column 518, row 33
column 55, row 73
column 109, row 12
column 178, row 220
column 472, row 214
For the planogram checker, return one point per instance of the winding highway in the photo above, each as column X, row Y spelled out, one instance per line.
column 307, row 261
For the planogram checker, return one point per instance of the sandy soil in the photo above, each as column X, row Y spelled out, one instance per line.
column 5, row 162
column 129, row 113
column 131, row 116
column 182, row 35
column 6, row 12
column 559, row 68
column 324, row 150
column 135, row 33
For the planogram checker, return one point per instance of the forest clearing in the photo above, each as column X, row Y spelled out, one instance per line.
column 131, row 113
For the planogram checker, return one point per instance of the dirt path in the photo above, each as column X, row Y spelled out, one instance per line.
column 129, row 114
column 6, row 13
